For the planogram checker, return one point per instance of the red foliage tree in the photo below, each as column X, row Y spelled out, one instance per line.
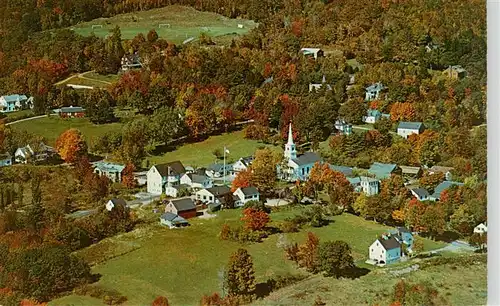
column 160, row 301
column 242, row 179
column 402, row 111
column 254, row 219
column 128, row 179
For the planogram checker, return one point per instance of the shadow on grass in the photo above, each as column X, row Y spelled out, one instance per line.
column 356, row 272
column 447, row 237
column 263, row 289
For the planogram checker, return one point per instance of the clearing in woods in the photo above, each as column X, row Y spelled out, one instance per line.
column 185, row 22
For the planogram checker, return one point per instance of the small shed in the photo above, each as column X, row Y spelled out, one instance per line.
column 173, row 221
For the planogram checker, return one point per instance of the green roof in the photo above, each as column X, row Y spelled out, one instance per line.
column 382, row 171
column 410, row 125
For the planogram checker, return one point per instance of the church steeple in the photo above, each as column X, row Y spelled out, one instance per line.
column 290, row 150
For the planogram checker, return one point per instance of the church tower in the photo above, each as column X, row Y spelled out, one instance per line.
column 290, row 150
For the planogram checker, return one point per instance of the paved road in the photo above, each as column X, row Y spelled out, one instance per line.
column 456, row 246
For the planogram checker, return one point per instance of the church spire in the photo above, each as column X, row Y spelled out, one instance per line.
column 290, row 134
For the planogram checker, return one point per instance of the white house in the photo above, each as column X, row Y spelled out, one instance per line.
column 406, row 129
column 314, row 52
column 317, row 86
column 212, row 195
column 420, row 193
column 481, row 228
column 115, row 202
column 159, row 175
column 445, row 170
column 373, row 91
column 217, row 170
column 175, row 191
column 242, row 164
column 196, row 181
column 385, row 250
column 367, row 185
column 15, row 102
column 245, row 195
column 41, row 152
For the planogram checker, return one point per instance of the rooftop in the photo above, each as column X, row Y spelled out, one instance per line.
column 183, row 204
column 196, row 178
column 375, row 87
column 176, row 168
column 108, row 167
column 307, row 158
column 389, row 243
column 381, row 170
column 173, row 218
column 443, row 186
column 14, row 98
column 71, row 109
column 410, row 125
column 219, row 190
column 249, row 190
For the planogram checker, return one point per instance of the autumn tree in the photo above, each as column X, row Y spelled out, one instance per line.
column 430, row 181
column 402, row 112
column 99, row 106
column 243, row 179
column 240, row 278
column 308, row 253
column 264, row 174
column 353, row 111
column 128, row 178
column 70, row 145
column 254, row 219
column 160, row 301
column 335, row 258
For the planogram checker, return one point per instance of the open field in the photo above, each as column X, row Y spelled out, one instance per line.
column 184, row 22
column 459, row 285
column 51, row 127
column 90, row 79
column 183, row 264
column 200, row 153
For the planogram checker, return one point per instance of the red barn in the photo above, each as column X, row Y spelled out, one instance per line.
column 183, row 207
column 72, row 112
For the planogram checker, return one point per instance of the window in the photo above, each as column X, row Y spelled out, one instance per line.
column 204, row 197
column 380, row 256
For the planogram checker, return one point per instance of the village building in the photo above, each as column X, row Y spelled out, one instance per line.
column 114, row 203
column 383, row 171
column 176, row 191
column 318, row 86
column 184, row 207
column 131, row 61
column 372, row 116
column 173, row 221
column 110, row 170
column 296, row 167
column 420, row 194
column 5, row 159
column 35, row 153
column 442, row 187
column 367, row 185
column 313, row 52
column 411, row 172
column 212, row 195
column 481, row 228
column 71, row 112
column 385, row 250
column 343, row 127
column 447, row 171
column 219, row 170
column 13, row 103
column 242, row 164
column 196, row 181
column 159, row 175
column 455, row 72
column 406, row 129
column 347, row 171
column 245, row 195
column 403, row 236
column 373, row 91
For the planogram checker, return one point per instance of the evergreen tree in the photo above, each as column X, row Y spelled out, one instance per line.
column 335, row 258
column 36, row 213
column 240, row 279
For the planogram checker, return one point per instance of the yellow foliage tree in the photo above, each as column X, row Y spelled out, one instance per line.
column 70, row 145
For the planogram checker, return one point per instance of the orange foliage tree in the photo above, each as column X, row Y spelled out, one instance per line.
column 71, row 146
column 254, row 219
column 242, row 180
column 128, row 179
column 160, row 301
column 402, row 111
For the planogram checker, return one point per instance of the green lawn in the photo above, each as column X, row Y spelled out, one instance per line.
column 51, row 127
column 19, row 114
column 185, row 22
column 200, row 153
column 183, row 264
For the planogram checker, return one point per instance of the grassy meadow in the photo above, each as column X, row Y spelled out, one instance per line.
column 183, row 264
column 184, row 22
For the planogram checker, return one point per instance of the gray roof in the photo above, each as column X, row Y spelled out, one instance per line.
column 249, row 190
column 307, row 158
column 402, row 229
column 410, row 125
column 219, row 190
column 183, row 204
column 72, row 109
column 421, row 192
column 375, row 87
column 117, row 202
column 173, row 218
column 196, row 178
column 347, row 171
column 441, row 169
column 389, row 243
column 359, row 179
column 409, row 170
column 176, row 168
column 220, row 167
column 442, row 187
column 382, row 170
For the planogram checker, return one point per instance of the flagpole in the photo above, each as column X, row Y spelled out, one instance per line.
column 224, row 166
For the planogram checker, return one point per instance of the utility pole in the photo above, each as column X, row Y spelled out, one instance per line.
column 224, row 173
